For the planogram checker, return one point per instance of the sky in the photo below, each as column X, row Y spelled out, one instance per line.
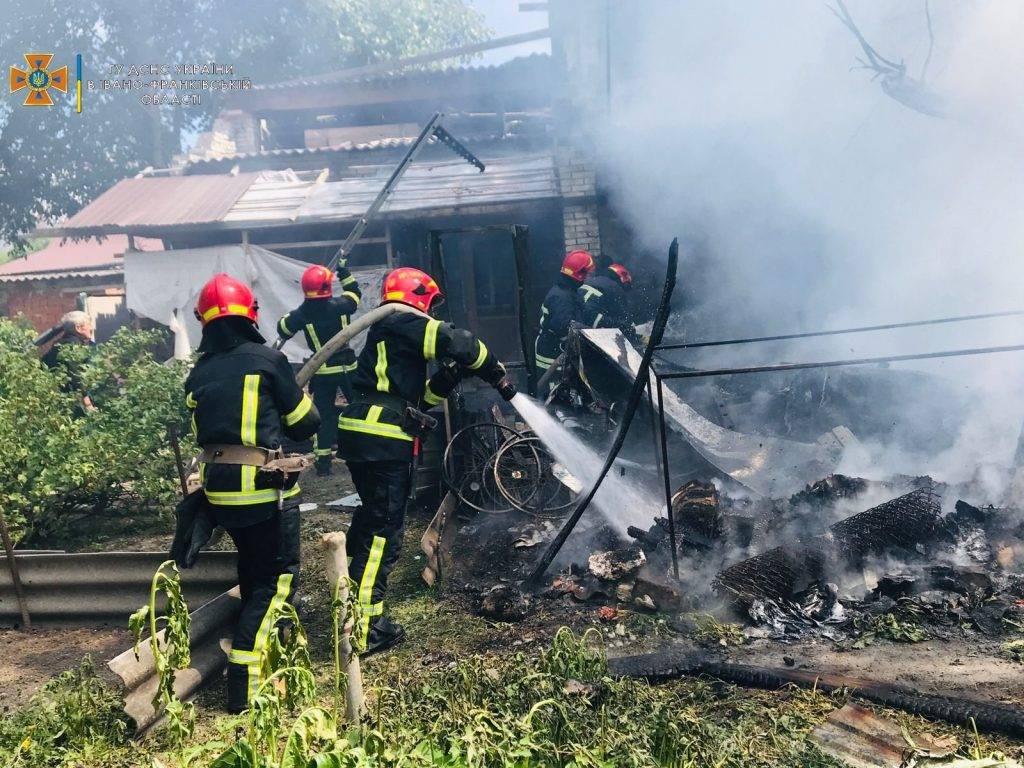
column 505, row 18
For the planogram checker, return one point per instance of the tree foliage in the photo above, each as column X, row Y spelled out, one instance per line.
column 53, row 161
column 60, row 467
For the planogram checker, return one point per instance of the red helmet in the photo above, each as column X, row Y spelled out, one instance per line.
column 578, row 265
column 316, row 282
column 223, row 296
column 624, row 277
column 411, row 286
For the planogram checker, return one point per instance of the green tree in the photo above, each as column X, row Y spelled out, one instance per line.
column 53, row 161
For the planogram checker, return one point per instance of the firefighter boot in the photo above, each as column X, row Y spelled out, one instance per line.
column 384, row 634
column 323, row 466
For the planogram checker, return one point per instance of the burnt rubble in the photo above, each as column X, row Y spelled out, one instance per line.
column 899, row 569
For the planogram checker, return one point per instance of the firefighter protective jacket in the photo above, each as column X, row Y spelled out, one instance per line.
column 392, row 374
column 246, row 394
column 604, row 303
column 321, row 319
column 560, row 308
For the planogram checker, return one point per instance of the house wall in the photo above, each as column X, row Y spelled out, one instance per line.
column 43, row 302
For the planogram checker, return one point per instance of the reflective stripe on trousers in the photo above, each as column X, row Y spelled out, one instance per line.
column 367, row 608
column 252, row 660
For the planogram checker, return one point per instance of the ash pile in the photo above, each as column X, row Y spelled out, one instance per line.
column 845, row 559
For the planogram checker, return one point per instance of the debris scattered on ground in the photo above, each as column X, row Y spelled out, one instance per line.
column 616, row 564
column 504, row 602
column 351, row 501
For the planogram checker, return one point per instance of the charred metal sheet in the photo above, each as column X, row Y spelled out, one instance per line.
column 900, row 523
column 768, row 465
column 102, row 587
column 773, row 575
column 858, row 737
column 209, row 636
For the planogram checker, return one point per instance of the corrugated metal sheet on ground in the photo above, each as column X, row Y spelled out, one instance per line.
column 103, row 587
column 162, row 202
column 424, row 187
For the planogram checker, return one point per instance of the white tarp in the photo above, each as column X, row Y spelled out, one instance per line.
column 163, row 286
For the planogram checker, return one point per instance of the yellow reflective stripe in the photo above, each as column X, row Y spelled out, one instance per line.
column 430, row 339
column 249, row 478
column 190, row 400
column 354, row 296
column 597, row 320
column 300, row 411
column 366, row 585
column 284, row 587
column 349, row 280
column 232, row 309
column 321, row 451
column 195, row 428
column 381, row 369
column 372, row 426
column 590, row 291
column 240, row 498
column 336, row 369
column 202, row 473
column 313, row 338
column 375, row 609
column 481, row 356
column 243, row 657
column 430, row 397
column 283, row 326
column 250, row 405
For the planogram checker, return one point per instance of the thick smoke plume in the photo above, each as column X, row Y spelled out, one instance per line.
column 808, row 198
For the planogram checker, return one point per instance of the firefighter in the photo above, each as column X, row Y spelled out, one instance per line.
column 560, row 308
column 605, row 301
column 320, row 317
column 379, row 433
column 244, row 402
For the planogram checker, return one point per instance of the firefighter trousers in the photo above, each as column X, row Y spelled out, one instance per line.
column 375, row 537
column 324, row 389
column 268, row 573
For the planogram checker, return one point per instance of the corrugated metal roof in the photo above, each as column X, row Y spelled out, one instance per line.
column 160, row 202
column 533, row 62
column 83, row 258
column 342, row 147
column 281, row 197
column 424, row 187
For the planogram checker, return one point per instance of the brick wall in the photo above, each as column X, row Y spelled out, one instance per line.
column 578, row 185
column 42, row 306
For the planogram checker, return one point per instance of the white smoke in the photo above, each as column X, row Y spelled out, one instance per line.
column 807, row 198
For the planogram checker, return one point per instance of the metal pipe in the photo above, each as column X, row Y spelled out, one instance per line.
column 179, row 464
column 660, row 319
column 840, row 331
column 12, row 565
column 837, row 363
column 668, row 482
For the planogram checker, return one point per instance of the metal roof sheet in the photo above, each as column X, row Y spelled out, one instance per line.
column 160, row 202
column 83, row 258
column 425, row 186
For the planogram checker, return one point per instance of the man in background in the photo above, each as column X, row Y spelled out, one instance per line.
column 77, row 329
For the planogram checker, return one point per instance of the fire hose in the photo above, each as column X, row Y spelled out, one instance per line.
column 343, row 337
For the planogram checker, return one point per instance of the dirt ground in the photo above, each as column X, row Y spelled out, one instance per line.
column 29, row 659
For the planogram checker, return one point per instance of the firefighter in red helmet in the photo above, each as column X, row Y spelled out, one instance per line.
column 245, row 402
column 560, row 308
column 379, row 433
column 605, row 299
column 320, row 317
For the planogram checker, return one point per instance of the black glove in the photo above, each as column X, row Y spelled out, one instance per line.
column 193, row 529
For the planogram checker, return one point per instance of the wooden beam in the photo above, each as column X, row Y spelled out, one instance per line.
column 317, row 243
